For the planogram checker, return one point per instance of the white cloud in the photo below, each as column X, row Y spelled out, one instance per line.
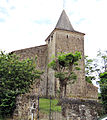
column 28, row 22
column 89, row 16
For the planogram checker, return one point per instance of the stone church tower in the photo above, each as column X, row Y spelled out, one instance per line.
column 65, row 39
column 62, row 39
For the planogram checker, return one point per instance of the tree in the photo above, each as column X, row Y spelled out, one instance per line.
column 102, row 61
column 93, row 67
column 89, row 69
column 64, row 65
column 102, row 57
column 103, row 89
column 97, row 69
column 16, row 77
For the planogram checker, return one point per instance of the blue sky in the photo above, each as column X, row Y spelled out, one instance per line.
column 27, row 23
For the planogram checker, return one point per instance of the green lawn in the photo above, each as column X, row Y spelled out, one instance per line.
column 44, row 105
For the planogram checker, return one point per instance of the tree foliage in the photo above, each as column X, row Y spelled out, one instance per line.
column 93, row 67
column 16, row 77
column 102, row 61
column 97, row 69
column 89, row 70
column 103, row 88
column 101, row 68
column 64, row 65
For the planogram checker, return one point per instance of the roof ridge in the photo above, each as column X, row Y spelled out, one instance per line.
column 29, row 48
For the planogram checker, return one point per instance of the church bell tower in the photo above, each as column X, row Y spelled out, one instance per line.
column 65, row 39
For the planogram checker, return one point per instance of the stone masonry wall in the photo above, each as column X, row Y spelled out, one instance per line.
column 91, row 91
column 78, row 109
column 27, row 107
column 67, row 41
column 51, row 53
column 41, row 53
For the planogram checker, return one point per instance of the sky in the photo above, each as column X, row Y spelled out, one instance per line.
column 27, row 23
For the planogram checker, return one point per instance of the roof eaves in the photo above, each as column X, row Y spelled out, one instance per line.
column 70, row 31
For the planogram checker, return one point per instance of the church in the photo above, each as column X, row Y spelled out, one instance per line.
column 64, row 38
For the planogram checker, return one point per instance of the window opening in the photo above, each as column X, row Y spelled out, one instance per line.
column 48, row 41
column 52, row 37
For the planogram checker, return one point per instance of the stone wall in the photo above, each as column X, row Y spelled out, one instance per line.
column 41, row 53
column 91, row 91
column 66, row 42
column 51, row 53
column 78, row 109
column 72, row 109
column 26, row 107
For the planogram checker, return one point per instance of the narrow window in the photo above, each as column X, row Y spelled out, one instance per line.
column 48, row 41
column 52, row 37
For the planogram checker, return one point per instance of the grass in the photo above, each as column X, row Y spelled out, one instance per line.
column 44, row 105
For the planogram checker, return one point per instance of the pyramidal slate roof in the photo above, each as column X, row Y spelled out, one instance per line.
column 64, row 22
